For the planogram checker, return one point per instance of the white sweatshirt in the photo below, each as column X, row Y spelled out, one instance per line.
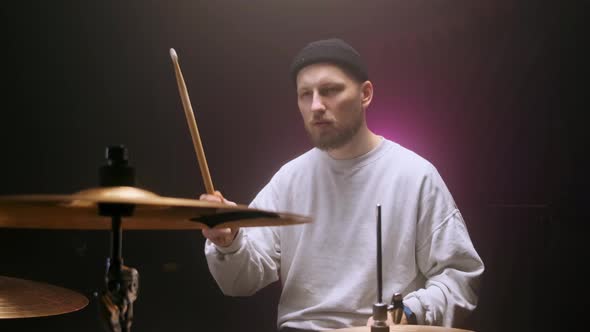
column 328, row 267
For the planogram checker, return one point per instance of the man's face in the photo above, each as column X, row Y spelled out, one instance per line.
column 331, row 104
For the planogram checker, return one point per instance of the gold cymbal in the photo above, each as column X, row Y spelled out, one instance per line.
column 151, row 212
column 20, row 298
column 404, row 328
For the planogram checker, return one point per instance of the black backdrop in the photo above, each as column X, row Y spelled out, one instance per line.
column 491, row 92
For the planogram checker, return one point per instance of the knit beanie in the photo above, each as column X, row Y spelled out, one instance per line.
column 334, row 51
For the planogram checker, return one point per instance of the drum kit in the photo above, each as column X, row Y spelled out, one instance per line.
column 117, row 205
column 404, row 328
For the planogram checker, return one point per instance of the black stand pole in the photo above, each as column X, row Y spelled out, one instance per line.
column 122, row 282
column 379, row 308
column 122, row 285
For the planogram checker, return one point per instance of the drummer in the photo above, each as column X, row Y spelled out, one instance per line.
column 327, row 267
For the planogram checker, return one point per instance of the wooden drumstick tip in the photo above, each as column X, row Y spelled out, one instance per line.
column 173, row 54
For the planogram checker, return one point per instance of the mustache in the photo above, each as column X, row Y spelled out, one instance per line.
column 321, row 118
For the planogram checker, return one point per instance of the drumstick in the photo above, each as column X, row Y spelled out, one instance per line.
column 192, row 124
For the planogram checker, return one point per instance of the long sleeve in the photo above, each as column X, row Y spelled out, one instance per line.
column 446, row 257
column 251, row 262
column 327, row 267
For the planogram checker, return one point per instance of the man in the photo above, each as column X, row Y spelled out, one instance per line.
column 327, row 268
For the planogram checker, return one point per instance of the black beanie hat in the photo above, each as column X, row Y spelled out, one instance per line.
column 330, row 50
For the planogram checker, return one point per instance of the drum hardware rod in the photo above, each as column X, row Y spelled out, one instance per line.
column 379, row 308
column 122, row 282
column 379, row 258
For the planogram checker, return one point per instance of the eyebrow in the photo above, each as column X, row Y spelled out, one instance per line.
column 322, row 85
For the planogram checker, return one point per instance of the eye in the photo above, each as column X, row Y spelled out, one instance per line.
column 304, row 94
column 331, row 90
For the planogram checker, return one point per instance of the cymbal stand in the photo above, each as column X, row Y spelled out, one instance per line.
column 122, row 282
column 379, row 308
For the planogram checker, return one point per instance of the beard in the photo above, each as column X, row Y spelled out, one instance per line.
column 333, row 137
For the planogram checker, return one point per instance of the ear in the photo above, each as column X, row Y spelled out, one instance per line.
column 366, row 94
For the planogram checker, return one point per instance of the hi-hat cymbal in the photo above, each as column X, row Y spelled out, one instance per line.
column 20, row 298
column 404, row 328
column 151, row 211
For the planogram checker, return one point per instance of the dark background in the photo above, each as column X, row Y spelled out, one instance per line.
column 491, row 92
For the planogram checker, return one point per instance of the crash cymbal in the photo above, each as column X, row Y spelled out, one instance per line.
column 20, row 298
column 151, row 212
column 404, row 328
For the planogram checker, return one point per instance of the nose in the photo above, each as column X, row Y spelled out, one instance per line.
column 317, row 103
